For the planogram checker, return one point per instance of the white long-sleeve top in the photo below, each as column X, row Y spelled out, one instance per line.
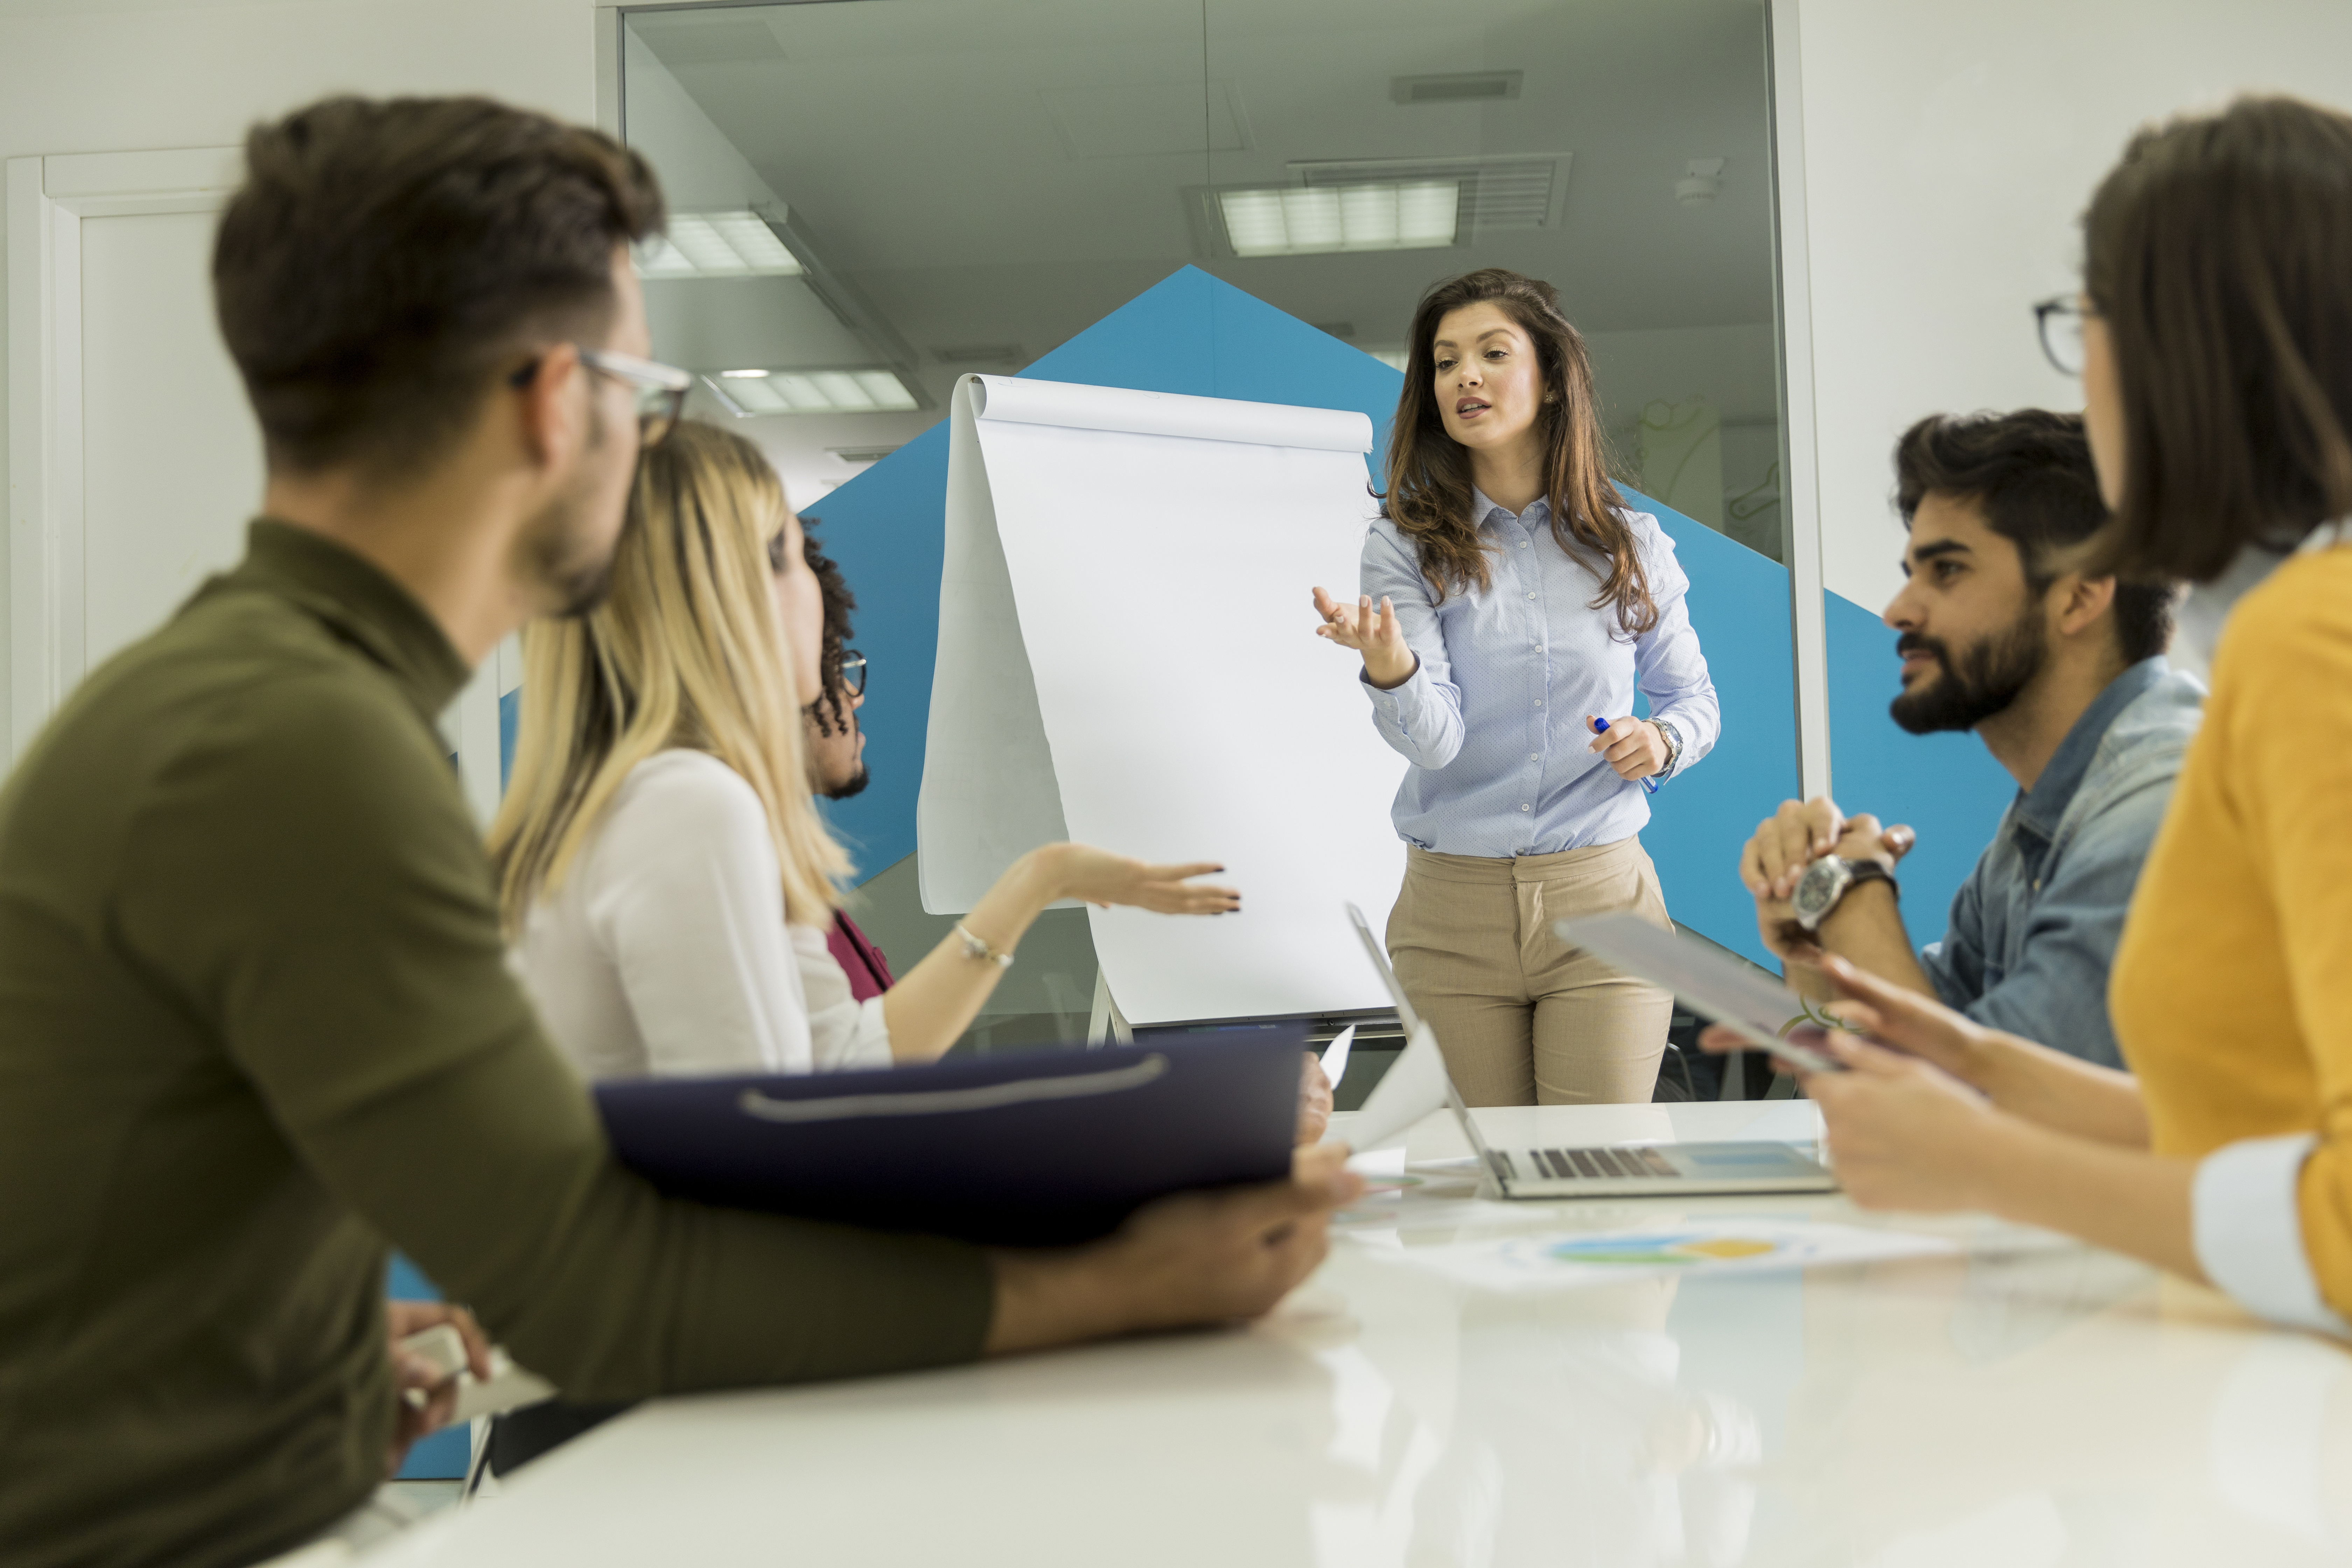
column 665, row 952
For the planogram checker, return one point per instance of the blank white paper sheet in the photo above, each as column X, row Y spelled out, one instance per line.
column 1127, row 658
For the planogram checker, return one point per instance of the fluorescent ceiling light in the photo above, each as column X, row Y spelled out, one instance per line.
column 738, row 243
column 751, row 391
column 1316, row 220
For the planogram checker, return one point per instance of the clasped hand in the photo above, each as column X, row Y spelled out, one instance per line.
column 1785, row 843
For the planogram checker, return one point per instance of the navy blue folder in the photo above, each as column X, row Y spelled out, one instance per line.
column 1038, row 1149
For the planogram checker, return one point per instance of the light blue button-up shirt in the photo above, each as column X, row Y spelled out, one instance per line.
column 1493, row 720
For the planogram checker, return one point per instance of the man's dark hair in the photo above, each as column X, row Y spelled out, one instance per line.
column 2031, row 474
column 830, row 710
column 386, row 259
column 2215, row 252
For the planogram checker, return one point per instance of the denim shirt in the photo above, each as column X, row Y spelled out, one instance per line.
column 2034, row 928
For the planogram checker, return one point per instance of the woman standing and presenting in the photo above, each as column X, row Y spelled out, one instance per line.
column 1511, row 606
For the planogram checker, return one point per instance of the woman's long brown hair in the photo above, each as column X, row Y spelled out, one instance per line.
column 1428, row 495
column 2217, row 251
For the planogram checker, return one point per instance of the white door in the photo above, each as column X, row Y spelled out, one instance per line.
column 171, row 458
column 134, row 463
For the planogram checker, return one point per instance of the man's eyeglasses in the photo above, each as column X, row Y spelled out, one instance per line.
column 852, row 672
column 660, row 389
column 2059, row 318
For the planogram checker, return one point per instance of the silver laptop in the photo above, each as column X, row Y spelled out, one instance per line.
column 1605, row 1170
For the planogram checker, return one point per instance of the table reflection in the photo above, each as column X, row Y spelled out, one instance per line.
column 2025, row 1401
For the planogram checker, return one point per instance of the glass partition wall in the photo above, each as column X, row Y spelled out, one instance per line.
column 876, row 196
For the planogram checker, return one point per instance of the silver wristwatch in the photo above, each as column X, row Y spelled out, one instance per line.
column 1673, row 745
column 1828, row 880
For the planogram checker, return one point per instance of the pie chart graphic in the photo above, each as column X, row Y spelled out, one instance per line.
column 1666, row 1249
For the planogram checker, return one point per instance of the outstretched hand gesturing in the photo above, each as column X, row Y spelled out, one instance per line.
column 1374, row 633
column 1103, row 879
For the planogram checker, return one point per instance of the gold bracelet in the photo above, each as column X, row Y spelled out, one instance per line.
column 975, row 948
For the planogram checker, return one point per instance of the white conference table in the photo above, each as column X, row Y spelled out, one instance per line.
column 2020, row 1401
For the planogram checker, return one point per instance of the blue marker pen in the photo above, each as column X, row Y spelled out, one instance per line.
column 1600, row 727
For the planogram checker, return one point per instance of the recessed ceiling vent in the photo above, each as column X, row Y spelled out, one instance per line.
column 856, row 455
column 1458, row 87
column 1513, row 191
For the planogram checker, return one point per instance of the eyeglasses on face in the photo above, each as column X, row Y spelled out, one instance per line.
column 852, row 672
column 2059, row 319
column 659, row 389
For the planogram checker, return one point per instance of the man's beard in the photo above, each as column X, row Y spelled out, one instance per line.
column 1983, row 681
column 555, row 547
column 555, row 560
column 851, row 785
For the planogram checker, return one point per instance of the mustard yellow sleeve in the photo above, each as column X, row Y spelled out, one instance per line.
column 2282, row 712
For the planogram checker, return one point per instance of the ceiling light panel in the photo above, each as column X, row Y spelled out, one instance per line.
column 1319, row 220
column 873, row 390
column 1504, row 191
column 738, row 243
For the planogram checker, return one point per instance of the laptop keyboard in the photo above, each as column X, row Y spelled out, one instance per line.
column 1601, row 1164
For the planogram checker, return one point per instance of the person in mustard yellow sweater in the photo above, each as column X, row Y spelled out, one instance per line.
column 2214, row 338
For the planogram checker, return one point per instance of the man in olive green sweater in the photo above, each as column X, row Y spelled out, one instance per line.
column 255, row 1021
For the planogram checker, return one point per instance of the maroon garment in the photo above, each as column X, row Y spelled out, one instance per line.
column 869, row 971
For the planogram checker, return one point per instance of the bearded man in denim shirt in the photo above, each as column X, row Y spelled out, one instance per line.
column 2061, row 674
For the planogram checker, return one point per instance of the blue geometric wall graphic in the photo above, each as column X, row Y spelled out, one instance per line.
column 1947, row 786
column 1193, row 333
column 509, row 723
column 1700, row 821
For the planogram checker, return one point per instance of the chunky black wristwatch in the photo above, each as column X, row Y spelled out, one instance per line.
column 1828, row 880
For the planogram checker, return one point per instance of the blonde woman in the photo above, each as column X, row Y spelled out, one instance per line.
column 663, row 871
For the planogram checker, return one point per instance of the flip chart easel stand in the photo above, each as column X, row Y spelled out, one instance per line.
column 1107, row 1027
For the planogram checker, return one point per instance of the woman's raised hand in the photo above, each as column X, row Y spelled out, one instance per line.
column 1099, row 877
column 1372, row 632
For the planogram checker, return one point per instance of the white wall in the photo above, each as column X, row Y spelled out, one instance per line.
column 84, row 75
column 1950, row 150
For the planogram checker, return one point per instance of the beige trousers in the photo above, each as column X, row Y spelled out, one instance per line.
column 1523, row 1018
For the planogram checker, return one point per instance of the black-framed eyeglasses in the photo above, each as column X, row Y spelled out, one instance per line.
column 2059, row 319
column 660, row 389
column 852, row 672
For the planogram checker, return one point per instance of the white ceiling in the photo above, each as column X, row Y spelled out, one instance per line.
column 1007, row 172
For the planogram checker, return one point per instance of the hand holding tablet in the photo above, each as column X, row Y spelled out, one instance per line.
column 1768, row 1016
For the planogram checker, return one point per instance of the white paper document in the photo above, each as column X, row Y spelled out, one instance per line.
column 1335, row 1056
column 1412, row 1089
column 1685, row 1245
column 1127, row 658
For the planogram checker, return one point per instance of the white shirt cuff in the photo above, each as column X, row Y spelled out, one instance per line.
column 2248, row 1224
